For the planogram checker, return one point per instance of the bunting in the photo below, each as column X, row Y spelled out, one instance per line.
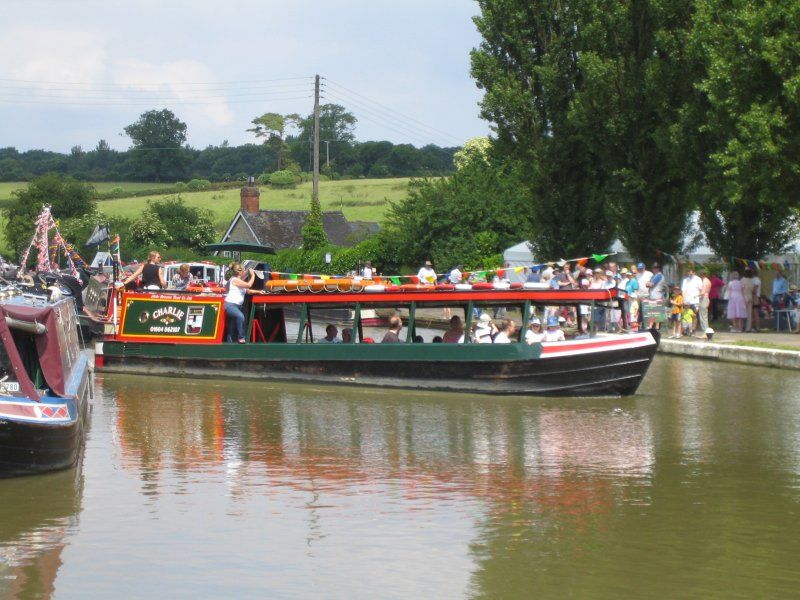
column 47, row 251
column 465, row 275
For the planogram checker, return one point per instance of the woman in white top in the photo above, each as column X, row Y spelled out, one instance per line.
column 237, row 288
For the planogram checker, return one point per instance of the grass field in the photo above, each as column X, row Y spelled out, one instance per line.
column 359, row 199
column 6, row 187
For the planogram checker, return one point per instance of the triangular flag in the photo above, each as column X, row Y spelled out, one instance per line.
column 395, row 280
column 599, row 257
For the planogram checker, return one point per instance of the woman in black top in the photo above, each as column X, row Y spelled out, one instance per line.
column 152, row 274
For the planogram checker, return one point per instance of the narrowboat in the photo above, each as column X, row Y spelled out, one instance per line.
column 46, row 383
column 182, row 334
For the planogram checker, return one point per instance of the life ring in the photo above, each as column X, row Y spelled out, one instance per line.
column 316, row 285
column 444, row 287
column 501, row 285
column 530, row 285
column 482, row 286
column 516, row 286
column 463, row 286
column 374, row 287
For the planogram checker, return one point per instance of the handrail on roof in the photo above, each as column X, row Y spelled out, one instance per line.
column 239, row 247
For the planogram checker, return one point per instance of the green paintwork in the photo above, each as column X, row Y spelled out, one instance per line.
column 330, row 352
column 172, row 318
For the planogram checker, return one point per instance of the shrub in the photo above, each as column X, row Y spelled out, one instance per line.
column 181, row 187
column 197, row 185
column 284, row 179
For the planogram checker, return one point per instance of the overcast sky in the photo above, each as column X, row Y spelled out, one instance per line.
column 76, row 71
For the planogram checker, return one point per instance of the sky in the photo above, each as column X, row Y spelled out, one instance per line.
column 73, row 72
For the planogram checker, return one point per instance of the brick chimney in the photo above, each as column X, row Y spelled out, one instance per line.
column 250, row 199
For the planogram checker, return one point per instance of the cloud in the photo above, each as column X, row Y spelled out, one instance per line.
column 52, row 54
column 176, row 80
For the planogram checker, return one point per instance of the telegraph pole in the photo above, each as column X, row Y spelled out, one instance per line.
column 316, row 139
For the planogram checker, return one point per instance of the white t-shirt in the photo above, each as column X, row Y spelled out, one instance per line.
column 454, row 276
column 644, row 278
column 556, row 335
column 426, row 275
column 235, row 294
column 366, row 272
column 502, row 338
column 483, row 334
column 531, row 336
column 691, row 286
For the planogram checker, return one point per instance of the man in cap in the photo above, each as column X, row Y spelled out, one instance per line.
column 426, row 274
column 534, row 333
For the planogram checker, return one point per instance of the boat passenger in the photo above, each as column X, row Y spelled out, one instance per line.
column 507, row 330
column 182, row 279
column 455, row 275
column 554, row 333
column 367, row 272
column 485, row 330
column 393, row 335
column 347, row 335
column 237, row 288
column 152, row 274
column 331, row 335
column 426, row 274
column 454, row 335
column 418, row 339
column 534, row 333
column 437, row 339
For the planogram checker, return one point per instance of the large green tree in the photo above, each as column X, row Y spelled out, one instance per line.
column 634, row 77
column 68, row 198
column 744, row 123
column 273, row 127
column 529, row 67
column 466, row 218
column 158, row 153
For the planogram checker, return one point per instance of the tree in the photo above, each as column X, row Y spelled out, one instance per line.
column 157, row 145
column 528, row 65
column 273, row 127
column 67, row 197
column 313, row 231
column 461, row 219
column 746, row 120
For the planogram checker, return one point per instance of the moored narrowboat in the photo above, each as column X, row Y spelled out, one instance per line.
column 182, row 334
column 45, row 384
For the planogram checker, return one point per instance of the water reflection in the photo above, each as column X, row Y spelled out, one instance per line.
column 39, row 514
column 223, row 488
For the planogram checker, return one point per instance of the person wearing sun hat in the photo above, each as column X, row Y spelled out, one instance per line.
column 554, row 333
column 484, row 330
column 534, row 333
column 426, row 274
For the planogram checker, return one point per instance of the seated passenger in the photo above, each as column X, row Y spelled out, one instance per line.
column 182, row 279
column 484, row 330
column 507, row 329
column 331, row 335
column 437, row 339
column 554, row 332
column 418, row 339
column 454, row 335
column 534, row 333
column 393, row 335
column 347, row 335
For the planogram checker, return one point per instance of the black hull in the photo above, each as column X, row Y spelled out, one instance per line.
column 608, row 373
column 29, row 448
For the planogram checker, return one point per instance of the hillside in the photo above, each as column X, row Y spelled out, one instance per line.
column 359, row 199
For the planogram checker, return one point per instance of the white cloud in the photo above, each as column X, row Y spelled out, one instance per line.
column 176, row 80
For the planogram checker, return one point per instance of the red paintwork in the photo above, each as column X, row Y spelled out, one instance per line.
column 594, row 345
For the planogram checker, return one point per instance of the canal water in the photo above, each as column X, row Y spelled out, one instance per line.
column 229, row 489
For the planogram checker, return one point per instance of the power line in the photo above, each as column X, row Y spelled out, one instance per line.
column 39, row 81
column 380, row 119
column 390, row 110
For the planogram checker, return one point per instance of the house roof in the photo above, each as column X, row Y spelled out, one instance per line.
column 281, row 229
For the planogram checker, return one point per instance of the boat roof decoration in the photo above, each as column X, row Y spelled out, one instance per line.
column 47, row 250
